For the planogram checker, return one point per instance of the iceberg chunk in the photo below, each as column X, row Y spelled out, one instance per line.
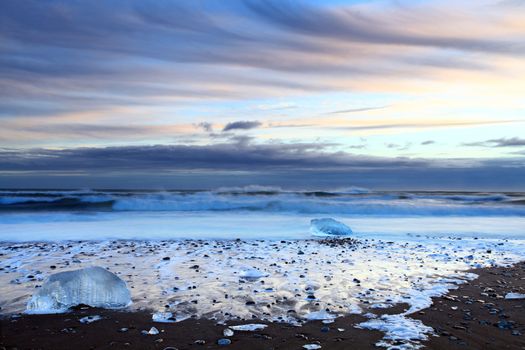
column 93, row 286
column 168, row 317
column 252, row 274
column 329, row 226
column 510, row 296
column 249, row 327
column 152, row 331
column 312, row 346
column 90, row 319
column 320, row 315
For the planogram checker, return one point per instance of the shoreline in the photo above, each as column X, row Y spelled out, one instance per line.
column 476, row 315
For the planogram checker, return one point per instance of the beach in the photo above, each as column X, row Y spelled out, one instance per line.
column 205, row 261
column 466, row 318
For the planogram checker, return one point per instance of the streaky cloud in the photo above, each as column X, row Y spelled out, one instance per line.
column 242, row 125
column 357, row 110
column 424, row 124
column 502, row 142
column 54, row 52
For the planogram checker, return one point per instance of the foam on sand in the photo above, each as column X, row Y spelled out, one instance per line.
column 297, row 280
column 400, row 332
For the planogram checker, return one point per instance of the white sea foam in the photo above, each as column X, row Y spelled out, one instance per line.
column 353, row 201
column 400, row 332
column 201, row 278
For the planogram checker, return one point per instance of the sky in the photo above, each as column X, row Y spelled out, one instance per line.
column 317, row 94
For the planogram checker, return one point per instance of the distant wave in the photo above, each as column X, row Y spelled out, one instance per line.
column 352, row 201
column 66, row 203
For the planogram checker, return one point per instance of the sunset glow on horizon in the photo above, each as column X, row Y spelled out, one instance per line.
column 267, row 89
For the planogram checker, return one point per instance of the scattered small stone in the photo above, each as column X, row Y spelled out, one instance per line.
column 503, row 324
column 223, row 342
column 68, row 330
column 311, row 346
column 90, row 319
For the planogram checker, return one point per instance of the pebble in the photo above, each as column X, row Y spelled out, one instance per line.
column 505, row 324
column 224, row 341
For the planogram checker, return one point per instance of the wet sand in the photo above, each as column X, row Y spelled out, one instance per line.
column 474, row 316
column 66, row 332
column 477, row 315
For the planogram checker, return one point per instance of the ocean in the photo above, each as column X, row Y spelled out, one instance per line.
column 254, row 213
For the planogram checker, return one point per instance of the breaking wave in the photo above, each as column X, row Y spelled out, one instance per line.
column 349, row 201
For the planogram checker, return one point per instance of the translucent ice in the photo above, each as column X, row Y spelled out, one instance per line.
column 90, row 319
column 249, row 327
column 152, row 331
column 93, row 286
column 168, row 317
column 514, row 296
column 329, row 226
column 320, row 315
column 312, row 346
column 252, row 274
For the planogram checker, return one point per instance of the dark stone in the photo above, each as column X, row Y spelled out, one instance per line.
column 224, row 342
